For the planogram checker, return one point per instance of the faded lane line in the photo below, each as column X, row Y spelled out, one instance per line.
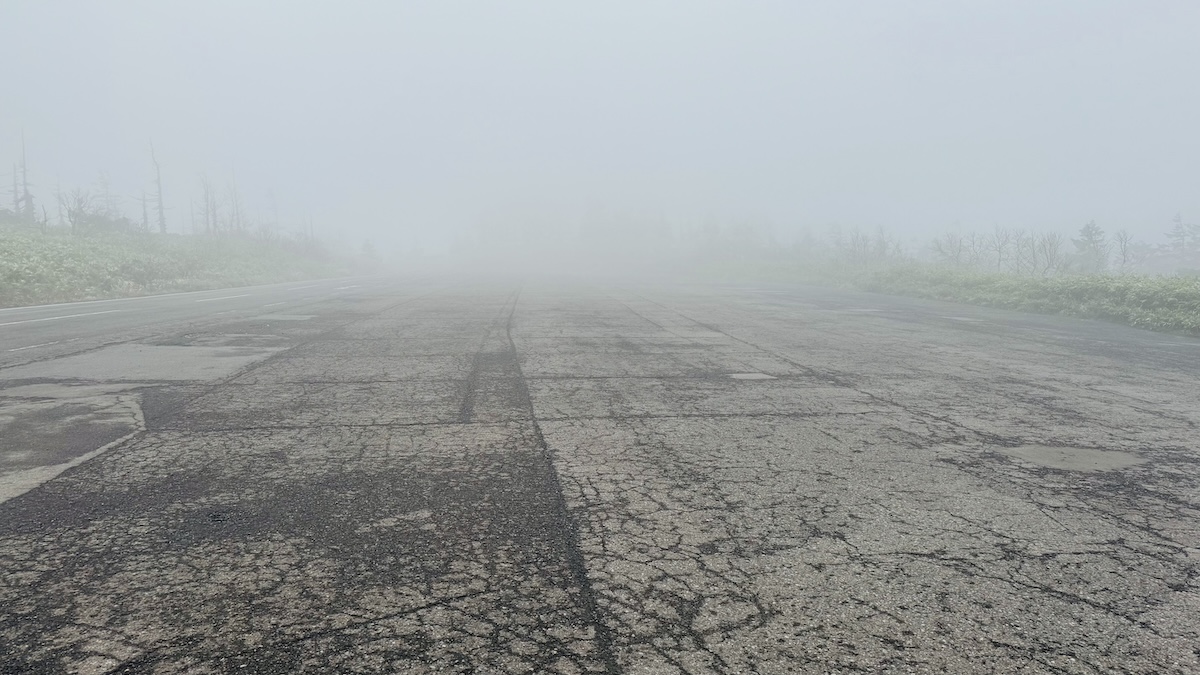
column 272, row 304
column 44, row 344
column 300, row 288
column 135, row 298
column 342, row 288
column 56, row 318
column 226, row 297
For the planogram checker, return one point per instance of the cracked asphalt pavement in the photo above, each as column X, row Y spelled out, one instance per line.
column 495, row 478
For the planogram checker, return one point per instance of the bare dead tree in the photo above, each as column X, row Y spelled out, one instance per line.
column 158, row 193
column 950, row 248
column 78, row 205
column 999, row 243
column 1123, row 243
column 267, row 229
column 58, row 198
column 1018, row 236
column 1026, row 260
column 858, row 246
column 274, row 210
column 109, row 204
column 884, row 247
column 209, row 208
column 1050, row 257
column 27, row 211
column 236, row 208
column 974, row 245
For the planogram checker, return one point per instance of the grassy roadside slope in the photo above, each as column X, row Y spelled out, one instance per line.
column 1168, row 304
column 44, row 268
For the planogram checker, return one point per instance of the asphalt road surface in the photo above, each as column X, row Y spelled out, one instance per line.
column 368, row 476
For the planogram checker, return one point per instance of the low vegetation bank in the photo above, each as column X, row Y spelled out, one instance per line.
column 1164, row 303
column 37, row 268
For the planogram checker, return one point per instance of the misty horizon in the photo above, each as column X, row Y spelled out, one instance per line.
column 420, row 126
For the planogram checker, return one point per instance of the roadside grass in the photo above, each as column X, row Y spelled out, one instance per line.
column 37, row 268
column 1168, row 304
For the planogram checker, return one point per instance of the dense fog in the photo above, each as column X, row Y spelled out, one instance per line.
column 516, row 131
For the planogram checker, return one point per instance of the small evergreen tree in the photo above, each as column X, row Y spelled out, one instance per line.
column 1091, row 249
column 1178, row 235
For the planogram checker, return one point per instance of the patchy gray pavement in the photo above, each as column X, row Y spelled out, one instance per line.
column 607, row 479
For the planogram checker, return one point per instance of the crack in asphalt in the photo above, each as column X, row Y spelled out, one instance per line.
column 568, row 526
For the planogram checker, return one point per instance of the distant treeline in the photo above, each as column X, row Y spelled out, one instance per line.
column 629, row 238
column 1002, row 250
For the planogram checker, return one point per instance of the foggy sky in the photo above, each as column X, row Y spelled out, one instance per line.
column 407, row 121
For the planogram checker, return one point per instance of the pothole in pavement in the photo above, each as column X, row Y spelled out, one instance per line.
column 751, row 376
column 1074, row 459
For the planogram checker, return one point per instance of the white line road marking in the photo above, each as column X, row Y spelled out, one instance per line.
column 226, row 297
column 56, row 318
column 136, row 298
column 342, row 288
column 300, row 288
column 272, row 304
column 44, row 344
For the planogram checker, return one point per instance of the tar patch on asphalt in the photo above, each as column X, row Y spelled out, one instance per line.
column 751, row 376
column 1074, row 459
